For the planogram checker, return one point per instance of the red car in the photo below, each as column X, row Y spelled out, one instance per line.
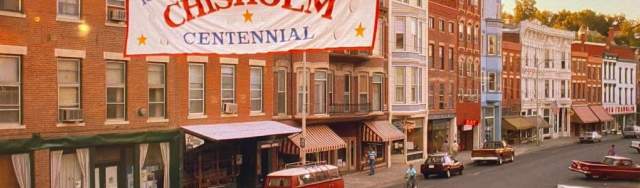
column 612, row 167
column 441, row 164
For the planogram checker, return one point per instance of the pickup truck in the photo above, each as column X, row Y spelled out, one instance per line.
column 614, row 167
column 498, row 151
column 635, row 145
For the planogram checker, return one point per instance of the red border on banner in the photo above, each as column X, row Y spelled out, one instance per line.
column 373, row 42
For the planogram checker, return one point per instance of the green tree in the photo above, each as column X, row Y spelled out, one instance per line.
column 525, row 10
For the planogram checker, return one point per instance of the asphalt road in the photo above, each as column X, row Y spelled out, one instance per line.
column 546, row 168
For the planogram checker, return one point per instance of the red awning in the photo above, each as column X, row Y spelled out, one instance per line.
column 601, row 113
column 319, row 138
column 583, row 114
column 231, row 131
column 380, row 131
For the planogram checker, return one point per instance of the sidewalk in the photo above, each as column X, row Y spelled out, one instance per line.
column 385, row 177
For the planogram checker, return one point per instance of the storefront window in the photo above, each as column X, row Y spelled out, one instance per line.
column 153, row 163
column 437, row 134
column 12, row 164
column 107, row 163
column 415, row 139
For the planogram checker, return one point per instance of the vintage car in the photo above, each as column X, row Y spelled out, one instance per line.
column 311, row 175
column 590, row 137
column 631, row 132
column 498, row 151
column 612, row 167
column 441, row 164
column 635, row 145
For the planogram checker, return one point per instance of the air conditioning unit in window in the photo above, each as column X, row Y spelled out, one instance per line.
column 117, row 15
column 71, row 115
column 230, row 108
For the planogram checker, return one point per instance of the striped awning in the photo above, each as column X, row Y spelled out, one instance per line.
column 319, row 138
column 602, row 114
column 583, row 114
column 380, row 131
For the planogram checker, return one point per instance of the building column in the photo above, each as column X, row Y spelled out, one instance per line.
column 425, row 138
column 389, row 153
column 41, row 168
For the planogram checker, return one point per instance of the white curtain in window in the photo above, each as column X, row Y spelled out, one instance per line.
column 22, row 169
column 56, row 164
column 165, row 150
column 143, row 155
column 8, row 69
column 83, row 162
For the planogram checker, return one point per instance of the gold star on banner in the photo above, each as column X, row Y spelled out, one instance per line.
column 360, row 31
column 248, row 16
column 142, row 40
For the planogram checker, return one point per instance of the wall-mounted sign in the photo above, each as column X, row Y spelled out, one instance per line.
column 165, row 27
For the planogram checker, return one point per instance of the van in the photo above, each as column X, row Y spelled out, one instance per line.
column 632, row 131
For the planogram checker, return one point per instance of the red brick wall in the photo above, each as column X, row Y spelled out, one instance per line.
column 447, row 75
column 511, row 80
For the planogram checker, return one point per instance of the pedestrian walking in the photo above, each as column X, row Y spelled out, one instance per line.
column 372, row 161
column 410, row 176
column 445, row 147
column 612, row 150
column 455, row 148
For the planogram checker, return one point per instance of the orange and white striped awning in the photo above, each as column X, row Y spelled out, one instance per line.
column 319, row 138
column 380, row 131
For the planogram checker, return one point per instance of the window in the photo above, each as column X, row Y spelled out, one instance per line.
column 563, row 63
column 256, row 89
column 377, row 92
column 461, row 30
column 10, row 89
column 442, row 25
column 281, row 89
column 441, row 55
column 302, row 83
column 431, row 23
column 156, row 81
column 68, row 86
column 492, row 81
column 563, row 91
column 116, row 11
column 546, row 89
column 419, row 3
column 400, row 78
column 116, row 91
column 416, row 87
column 451, row 63
column 228, row 74
column 431, row 57
column 418, row 37
column 451, row 27
column 451, row 98
column 441, row 100
column 320, row 88
column 196, row 89
column 415, row 34
column 400, row 31
column 347, row 92
column 11, row 5
column 492, row 46
column 412, row 74
column 431, row 97
column 469, row 29
column 363, row 92
column 547, row 59
column 69, row 9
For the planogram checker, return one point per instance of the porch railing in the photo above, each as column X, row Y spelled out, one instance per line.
column 349, row 108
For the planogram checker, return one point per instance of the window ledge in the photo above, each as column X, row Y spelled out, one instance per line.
column 68, row 19
column 197, row 116
column 116, row 122
column 157, row 120
column 4, row 126
column 257, row 114
column 12, row 14
column 282, row 117
column 115, row 24
column 70, row 125
column 228, row 115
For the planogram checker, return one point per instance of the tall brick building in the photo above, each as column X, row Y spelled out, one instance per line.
column 75, row 111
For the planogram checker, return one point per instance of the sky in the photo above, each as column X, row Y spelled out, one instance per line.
column 630, row 8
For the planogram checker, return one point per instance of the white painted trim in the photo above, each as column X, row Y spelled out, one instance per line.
column 115, row 56
column 115, row 24
column 70, row 53
column 116, row 122
column 157, row 120
column 198, row 59
column 12, row 14
column 11, row 49
column 5, row 126
column 225, row 60
column 159, row 59
column 197, row 116
column 254, row 62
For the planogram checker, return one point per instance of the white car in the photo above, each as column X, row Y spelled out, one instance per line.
column 635, row 145
column 631, row 131
column 590, row 137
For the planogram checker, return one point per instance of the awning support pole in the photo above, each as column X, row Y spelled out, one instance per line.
column 303, row 155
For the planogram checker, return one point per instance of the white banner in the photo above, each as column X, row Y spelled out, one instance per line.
column 165, row 27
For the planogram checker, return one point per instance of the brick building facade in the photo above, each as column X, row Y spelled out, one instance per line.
column 77, row 104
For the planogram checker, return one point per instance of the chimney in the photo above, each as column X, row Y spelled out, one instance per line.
column 613, row 31
column 582, row 35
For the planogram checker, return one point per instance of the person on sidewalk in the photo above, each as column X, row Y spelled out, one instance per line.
column 445, row 147
column 372, row 161
column 455, row 148
column 612, row 150
column 410, row 176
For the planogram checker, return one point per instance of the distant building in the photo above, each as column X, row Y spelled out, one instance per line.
column 492, row 72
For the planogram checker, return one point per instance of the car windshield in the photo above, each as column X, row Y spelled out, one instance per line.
column 435, row 160
column 608, row 161
column 492, row 145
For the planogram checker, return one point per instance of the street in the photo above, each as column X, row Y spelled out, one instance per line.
column 547, row 168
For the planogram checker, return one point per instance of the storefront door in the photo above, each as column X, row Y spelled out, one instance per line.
column 106, row 176
column 350, row 163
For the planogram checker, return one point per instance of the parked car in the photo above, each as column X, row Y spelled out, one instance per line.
column 635, row 145
column 441, row 164
column 309, row 176
column 631, row 132
column 614, row 167
column 498, row 151
column 590, row 137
